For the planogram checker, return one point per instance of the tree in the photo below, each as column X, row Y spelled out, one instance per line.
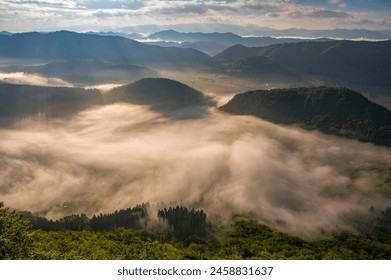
column 186, row 225
column 14, row 236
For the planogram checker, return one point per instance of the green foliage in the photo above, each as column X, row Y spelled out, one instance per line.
column 119, row 244
column 14, row 235
column 126, row 218
column 244, row 240
column 189, row 226
column 187, row 238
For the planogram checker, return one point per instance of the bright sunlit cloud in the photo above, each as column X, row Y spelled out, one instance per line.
column 83, row 15
column 120, row 155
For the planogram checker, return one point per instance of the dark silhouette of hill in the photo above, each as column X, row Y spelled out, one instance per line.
column 168, row 97
column 367, row 63
column 67, row 45
column 89, row 72
column 37, row 102
column 337, row 111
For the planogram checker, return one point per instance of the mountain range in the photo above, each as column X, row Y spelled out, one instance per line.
column 212, row 43
column 337, row 111
column 65, row 45
column 347, row 62
column 252, row 30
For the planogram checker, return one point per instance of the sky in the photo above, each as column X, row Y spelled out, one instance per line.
column 95, row 15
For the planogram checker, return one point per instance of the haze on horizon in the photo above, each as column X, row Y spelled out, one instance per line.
column 86, row 15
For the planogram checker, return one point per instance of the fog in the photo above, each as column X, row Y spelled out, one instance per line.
column 117, row 156
column 31, row 79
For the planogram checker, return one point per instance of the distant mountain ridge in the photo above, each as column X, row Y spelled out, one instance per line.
column 212, row 43
column 354, row 62
column 337, row 111
column 65, row 45
column 87, row 72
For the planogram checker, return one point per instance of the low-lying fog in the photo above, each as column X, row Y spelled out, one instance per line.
column 120, row 155
column 31, row 79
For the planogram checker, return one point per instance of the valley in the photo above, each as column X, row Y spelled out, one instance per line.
column 291, row 135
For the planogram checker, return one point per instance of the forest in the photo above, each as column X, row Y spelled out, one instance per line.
column 178, row 233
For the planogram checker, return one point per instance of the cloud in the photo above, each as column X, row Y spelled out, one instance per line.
column 120, row 155
column 82, row 15
column 340, row 3
column 321, row 13
column 112, row 4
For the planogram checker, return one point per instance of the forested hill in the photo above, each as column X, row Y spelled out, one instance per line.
column 165, row 93
column 19, row 101
column 337, row 111
column 168, row 97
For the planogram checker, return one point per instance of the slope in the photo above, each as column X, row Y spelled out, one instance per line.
column 337, row 111
column 65, row 45
column 169, row 97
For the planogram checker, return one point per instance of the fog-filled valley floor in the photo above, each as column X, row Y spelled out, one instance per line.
column 116, row 156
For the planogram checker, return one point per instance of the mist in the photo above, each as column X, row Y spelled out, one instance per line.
column 117, row 156
column 31, row 79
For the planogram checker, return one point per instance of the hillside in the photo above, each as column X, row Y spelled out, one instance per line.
column 337, row 111
column 24, row 101
column 162, row 95
column 366, row 63
column 88, row 72
column 67, row 45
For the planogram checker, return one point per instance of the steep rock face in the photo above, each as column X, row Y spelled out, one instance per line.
column 337, row 111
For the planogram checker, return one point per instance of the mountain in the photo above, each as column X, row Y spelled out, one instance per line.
column 212, row 43
column 133, row 36
column 65, row 45
column 337, row 111
column 171, row 35
column 255, row 30
column 361, row 62
column 88, row 72
column 37, row 102
column 169, row 97
column 352, row 34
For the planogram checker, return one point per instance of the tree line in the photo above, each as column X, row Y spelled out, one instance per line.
column 242, row 239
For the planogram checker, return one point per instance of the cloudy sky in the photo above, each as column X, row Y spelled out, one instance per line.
column 83, row 15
